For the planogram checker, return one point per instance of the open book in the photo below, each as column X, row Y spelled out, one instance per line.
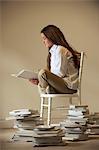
column 26, row 74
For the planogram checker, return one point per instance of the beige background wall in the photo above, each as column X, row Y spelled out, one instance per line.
column 23, row 48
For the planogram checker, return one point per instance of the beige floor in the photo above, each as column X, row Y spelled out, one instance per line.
column 6, row 144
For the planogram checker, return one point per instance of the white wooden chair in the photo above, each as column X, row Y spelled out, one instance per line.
column 49, row 97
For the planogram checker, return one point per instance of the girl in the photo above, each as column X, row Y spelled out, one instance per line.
column 61, row 74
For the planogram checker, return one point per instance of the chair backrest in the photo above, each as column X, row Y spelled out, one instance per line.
column 80, row 70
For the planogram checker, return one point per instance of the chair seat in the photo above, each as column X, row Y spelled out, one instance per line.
column 59, row 95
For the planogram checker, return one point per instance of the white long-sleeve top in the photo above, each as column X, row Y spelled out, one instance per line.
column 62, row 65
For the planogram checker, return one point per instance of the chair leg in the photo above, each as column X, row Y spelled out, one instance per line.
column 49, row 111
column 41, row 107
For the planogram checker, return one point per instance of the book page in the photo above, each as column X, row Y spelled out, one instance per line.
column 26, row 74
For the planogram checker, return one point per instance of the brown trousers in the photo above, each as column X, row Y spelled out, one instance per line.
column 56, row 84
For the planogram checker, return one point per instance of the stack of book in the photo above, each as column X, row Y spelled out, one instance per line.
column 47, row 135
column 75, row 125
column 94, row 118
column 93, row 125
column 93, row 129
column 41, row 135
column 24, row 120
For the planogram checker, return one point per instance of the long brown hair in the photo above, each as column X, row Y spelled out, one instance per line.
column 55, row 35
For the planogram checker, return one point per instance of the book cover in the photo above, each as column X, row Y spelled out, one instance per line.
column 26, row 74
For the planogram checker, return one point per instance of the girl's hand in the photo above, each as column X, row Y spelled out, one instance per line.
column 34, row 81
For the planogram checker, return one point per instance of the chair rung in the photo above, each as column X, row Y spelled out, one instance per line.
column 45, row 105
